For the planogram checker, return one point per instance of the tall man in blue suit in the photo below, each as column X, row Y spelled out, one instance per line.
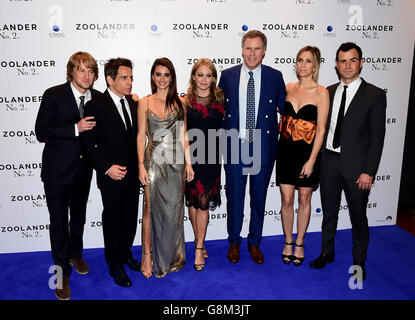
column 253, row 94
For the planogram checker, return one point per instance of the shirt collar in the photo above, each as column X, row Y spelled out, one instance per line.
column 77, row 94
column 115, row 97
column 256, row 71
column 353, row 85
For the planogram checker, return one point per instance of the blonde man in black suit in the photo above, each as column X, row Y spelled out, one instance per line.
column 66, row 174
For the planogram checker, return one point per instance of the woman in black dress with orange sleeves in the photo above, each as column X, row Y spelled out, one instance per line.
column 302, row 130
column 205, row 113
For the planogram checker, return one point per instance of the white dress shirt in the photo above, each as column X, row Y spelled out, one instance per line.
column 119, row 107
column 243, row 86
column 350, row 93
column 77, row 94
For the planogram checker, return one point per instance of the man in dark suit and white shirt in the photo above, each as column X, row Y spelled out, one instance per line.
column 66, row 174
column 112, row 148
column 351, row 154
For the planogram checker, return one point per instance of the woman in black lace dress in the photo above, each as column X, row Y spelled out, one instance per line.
column 205, row 114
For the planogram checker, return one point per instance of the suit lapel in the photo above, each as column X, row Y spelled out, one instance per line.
column 332, row 91
column 133, row 111
column 264, row 88
column 356, row 99
column 114, row 112
column 70, row 98
column 235, row 80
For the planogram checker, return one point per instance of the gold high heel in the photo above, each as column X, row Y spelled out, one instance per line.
column 143, row 272
column 199, row 266
column 205, row 253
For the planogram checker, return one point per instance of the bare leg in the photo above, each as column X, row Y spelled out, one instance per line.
column 202, row 219
column 287, row 215
column 303, row 218
column 192, row 216
column 146, row 267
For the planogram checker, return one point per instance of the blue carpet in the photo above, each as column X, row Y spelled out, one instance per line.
column 390, row 269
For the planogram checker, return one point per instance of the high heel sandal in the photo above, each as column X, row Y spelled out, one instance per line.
column 289, row 257
column 199, row 266
column 205, row 253
column 146, row 273
column 299, row 260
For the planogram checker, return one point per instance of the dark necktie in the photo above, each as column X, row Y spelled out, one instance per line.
column 250, row 107
column 81, row 106
column 340, row 116
column 126, row 117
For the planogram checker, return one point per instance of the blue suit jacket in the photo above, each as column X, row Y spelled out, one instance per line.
column 272, row 96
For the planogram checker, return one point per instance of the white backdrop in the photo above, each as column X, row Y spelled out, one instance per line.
column 38, row 36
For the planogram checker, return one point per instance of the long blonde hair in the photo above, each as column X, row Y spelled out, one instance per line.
column 216, row 94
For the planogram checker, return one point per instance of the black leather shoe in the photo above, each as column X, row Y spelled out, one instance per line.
column 120, row 277
column 361, row 265
column 321, row 261
column 133, row 264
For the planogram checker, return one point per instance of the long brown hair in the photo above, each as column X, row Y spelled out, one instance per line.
column 172, row 99
column 216, row 94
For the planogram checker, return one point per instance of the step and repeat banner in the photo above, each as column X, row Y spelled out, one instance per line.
column 38, row 36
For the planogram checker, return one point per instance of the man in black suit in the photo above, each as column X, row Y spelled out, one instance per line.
column 353, row 148
column 66, row 174
column 112, row 148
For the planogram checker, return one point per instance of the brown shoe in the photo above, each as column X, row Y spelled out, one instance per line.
column 63, row 293
column 256, row 254
column 233, row 253
column 80, row 265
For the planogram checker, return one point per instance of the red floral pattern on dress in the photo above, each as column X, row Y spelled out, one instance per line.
column 205, row 111
column 214, row 187
column 201, row 108
column 219, row 107
column 200, row 188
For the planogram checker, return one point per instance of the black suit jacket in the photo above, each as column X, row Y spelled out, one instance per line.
column 55, row 125
column 363, row 130
column 108, row 143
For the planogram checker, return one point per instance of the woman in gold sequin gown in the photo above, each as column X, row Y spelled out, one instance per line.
column 163, row 168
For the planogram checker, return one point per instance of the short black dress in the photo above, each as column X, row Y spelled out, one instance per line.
column 203, row 192
column 297, row 133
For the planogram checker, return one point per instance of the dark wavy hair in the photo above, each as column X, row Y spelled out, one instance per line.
column 349, row 46
column 172, row 99
column 112, row 66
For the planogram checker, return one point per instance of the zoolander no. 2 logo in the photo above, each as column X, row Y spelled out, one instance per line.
column 25, row 136
column 28, row 68
column 21, row 170
column 18, row 104
column 289, row 30
column 15, row 31
column 201, row 30
column 105, row 30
